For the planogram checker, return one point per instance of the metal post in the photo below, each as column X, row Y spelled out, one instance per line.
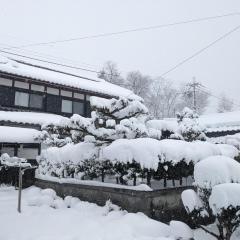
column 20, row 189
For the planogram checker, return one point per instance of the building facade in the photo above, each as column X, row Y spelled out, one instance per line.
column 33, row 95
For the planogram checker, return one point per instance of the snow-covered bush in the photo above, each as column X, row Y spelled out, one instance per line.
column 217, row 180
column 189, row 127
column 126, row 159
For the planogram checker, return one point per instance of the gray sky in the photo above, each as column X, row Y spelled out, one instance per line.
column 152, row 52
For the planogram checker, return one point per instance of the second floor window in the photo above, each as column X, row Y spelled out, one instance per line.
column 66, row 106
column 28, row 100
column 21, row 99
column 36, row 101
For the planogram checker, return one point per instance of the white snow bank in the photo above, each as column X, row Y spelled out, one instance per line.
column 216, row 170
column 70, row 218
column 140, row 187
column 18, row 135
column 224, row 195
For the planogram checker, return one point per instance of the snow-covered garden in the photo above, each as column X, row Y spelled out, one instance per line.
column 121, row 146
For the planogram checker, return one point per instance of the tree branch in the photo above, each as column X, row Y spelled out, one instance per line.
column 209, row 232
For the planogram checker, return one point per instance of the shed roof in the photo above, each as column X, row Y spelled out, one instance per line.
column 17, row 135
column 33, row 118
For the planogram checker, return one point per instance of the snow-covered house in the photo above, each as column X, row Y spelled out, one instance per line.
column 32, row 95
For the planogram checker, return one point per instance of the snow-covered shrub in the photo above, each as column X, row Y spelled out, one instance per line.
column 217, row 180
column 225, row 204
column 189, row 127
column 126, row 159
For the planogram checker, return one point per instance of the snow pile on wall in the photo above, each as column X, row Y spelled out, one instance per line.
column 216, row 170
column 7, row 161
column 224, row 195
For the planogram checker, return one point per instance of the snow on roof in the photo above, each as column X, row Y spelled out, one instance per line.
column 83, row 80
column 17, row 135
column 216, row 122
column 31, row 117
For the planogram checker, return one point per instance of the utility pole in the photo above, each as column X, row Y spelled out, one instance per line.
column 193, row 87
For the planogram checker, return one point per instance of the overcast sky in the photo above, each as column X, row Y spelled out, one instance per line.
column 152, row 52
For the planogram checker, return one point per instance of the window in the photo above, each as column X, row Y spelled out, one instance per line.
column 66, row 93
column 66, row 106
column 79, row 96
column 36, row 101
column 53, row 103
column 21, row 85
column 38, row 88
column 21, row 99
column 88, row 97
column 6, row 96
column 5, row 82
column 78, row 107
column 53, row 91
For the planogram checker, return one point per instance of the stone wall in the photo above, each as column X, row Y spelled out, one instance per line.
column 163, row 205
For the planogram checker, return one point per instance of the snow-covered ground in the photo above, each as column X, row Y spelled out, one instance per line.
column 47, row 217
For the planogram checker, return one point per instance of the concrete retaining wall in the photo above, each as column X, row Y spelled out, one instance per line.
column 163, row 205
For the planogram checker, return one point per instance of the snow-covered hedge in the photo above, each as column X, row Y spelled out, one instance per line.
column 127, row 158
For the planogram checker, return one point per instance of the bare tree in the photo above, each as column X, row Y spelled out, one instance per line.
column 138, row 83
column 163, row 98
column 225, row 104
column 110, row 73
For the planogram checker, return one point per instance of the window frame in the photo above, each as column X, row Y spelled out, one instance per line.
column 79, row 101
column 66, row 99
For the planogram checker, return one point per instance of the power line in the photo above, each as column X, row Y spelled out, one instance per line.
column 48, row 56
column 200, row 51
column 217, row 97
column 54, row 63
column 128, row 31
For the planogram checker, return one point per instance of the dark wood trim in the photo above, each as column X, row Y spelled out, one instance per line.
column 56, row 85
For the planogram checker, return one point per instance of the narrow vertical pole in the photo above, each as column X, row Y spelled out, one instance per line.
column 20, row 189
column 194, row 94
